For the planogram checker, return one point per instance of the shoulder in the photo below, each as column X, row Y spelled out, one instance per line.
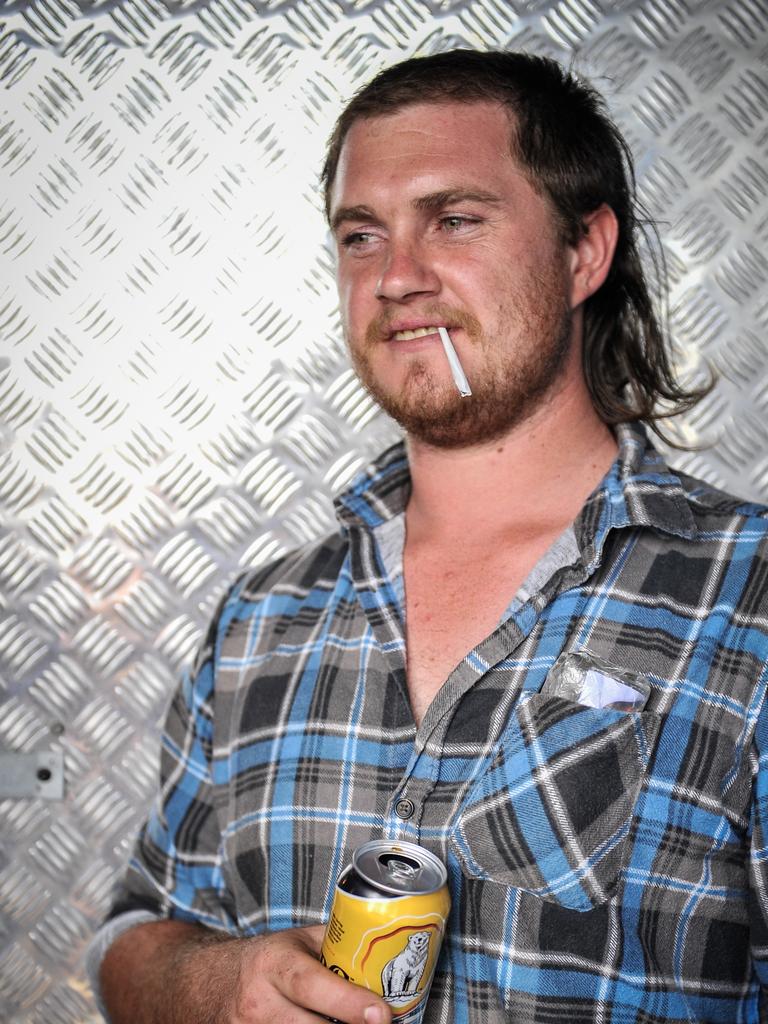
column 725, row 562
column 300, row 569
column 291, row 578
column 715, row 509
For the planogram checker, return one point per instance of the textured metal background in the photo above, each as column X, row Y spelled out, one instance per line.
column 174, row 398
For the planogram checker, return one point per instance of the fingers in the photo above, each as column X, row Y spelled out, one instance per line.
column 282, row 980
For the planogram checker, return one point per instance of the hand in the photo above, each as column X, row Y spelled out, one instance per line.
column 173, row 972
column 281, row 981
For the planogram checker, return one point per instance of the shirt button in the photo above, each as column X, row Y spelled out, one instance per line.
column 404, row 808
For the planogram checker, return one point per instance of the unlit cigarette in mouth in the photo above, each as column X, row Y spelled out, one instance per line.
column 459, row 377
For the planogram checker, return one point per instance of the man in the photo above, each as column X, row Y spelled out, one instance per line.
column 532, row 648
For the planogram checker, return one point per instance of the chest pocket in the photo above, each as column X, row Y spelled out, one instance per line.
column 552, row 812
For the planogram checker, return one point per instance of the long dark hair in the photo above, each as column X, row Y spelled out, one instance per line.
column 573, row 153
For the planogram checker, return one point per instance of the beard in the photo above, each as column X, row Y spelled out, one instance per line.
column 510, row 381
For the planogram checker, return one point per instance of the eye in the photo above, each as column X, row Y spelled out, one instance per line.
column 358, row 242
column 452, row 223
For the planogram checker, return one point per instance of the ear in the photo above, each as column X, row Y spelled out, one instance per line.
column 592, row 255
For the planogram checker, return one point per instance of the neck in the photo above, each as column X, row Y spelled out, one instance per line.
column 534, row 479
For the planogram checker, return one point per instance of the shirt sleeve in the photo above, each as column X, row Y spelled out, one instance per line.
column 176, row 867
column 758, row 897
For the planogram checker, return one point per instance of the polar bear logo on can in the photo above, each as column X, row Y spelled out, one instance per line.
column 402, row 975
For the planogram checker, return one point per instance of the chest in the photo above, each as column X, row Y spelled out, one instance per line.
column 453, row 601
column 324, row 728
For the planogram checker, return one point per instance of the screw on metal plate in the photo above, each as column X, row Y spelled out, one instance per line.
column 39, row 774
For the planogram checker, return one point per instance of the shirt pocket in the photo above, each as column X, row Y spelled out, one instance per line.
column 552, row 812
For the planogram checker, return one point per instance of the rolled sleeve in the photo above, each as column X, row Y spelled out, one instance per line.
column 175, row 870
column 758, row 897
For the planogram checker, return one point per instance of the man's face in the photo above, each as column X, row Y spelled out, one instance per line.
column 436, row 225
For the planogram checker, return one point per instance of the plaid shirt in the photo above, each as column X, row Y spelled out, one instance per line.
column 604, row 865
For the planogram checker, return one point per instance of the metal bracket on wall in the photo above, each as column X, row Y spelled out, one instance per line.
column 40, row 774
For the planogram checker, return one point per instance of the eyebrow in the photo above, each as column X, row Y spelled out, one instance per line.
column 353, row 213
column 427, row 203
column 434, row 200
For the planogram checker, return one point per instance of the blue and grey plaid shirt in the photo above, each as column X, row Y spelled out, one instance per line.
column 605, row 865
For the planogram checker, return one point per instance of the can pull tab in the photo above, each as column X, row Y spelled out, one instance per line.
column 399, row 867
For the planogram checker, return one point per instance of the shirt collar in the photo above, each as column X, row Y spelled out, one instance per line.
column 642, row 490
column 379, row 494
column 639, row 490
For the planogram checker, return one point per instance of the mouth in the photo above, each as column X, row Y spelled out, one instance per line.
column 418, row 332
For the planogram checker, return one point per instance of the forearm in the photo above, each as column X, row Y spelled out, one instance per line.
column 169, row 972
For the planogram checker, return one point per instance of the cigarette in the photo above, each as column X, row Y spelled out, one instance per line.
column 459, row 377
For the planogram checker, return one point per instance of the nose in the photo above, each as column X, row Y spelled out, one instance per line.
column 407, row 272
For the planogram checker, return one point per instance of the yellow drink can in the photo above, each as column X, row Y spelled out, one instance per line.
column 387, row 924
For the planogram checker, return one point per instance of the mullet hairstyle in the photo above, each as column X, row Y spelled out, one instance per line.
column 574, row 155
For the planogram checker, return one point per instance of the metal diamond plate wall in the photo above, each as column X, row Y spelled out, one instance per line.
column 175, row 402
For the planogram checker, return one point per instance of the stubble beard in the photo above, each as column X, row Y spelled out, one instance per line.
column 513, row 379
